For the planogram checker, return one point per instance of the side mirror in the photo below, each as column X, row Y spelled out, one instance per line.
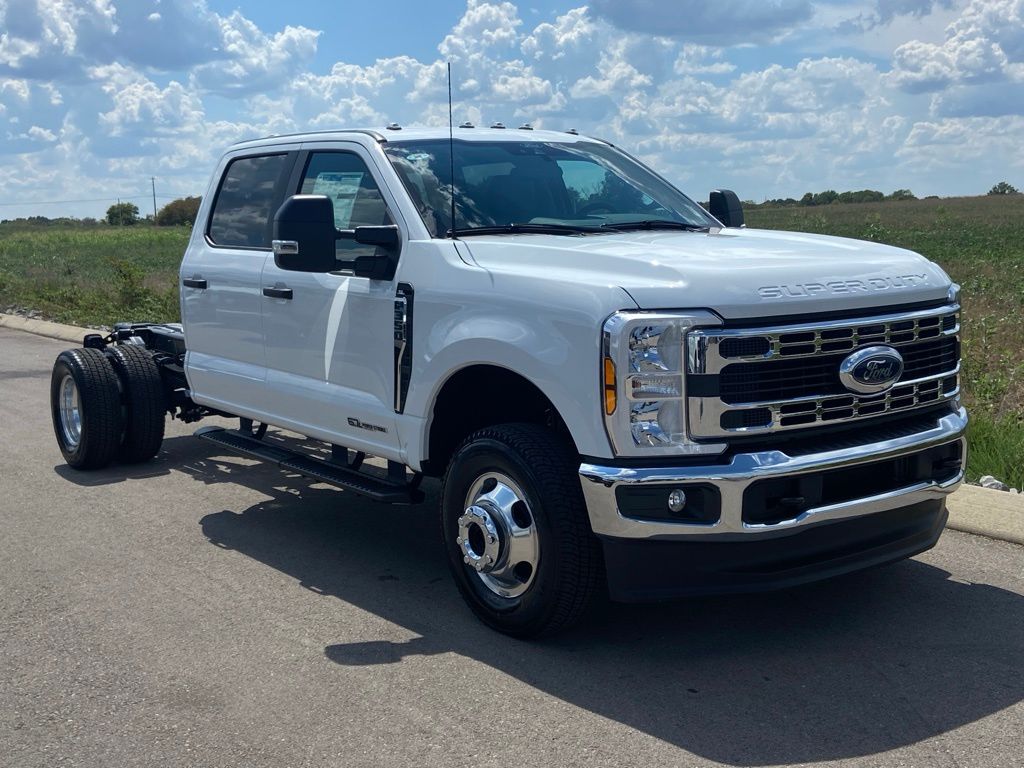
column 304, row 234
column 305, row 237
column 726, row 207
column 381, row 265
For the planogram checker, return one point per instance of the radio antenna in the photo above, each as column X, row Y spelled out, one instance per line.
column 451, row 152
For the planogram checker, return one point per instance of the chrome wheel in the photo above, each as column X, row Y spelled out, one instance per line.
column 498, row 535
column 70, row 413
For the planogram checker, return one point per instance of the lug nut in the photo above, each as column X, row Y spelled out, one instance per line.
column 458, row 540
column 465, row 559
column 491, row 539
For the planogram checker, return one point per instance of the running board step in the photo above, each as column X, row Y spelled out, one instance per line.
column 316, row 469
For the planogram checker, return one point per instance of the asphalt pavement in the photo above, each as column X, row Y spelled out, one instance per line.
column 204, row 610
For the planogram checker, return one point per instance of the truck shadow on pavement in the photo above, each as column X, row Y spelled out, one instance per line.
column 851, row 667
column 176, row 453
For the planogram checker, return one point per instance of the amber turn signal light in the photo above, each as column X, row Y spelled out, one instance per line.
column 609, row 386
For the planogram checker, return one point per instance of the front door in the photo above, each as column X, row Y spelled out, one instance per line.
column 329, row 337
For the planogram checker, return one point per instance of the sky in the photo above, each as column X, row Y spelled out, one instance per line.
column 771, row 98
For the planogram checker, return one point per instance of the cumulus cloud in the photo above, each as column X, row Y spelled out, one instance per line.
column 41, row 134
column 984, row 45
column 483, row 27
column 253, row 61
column 142, row 108
column 44, row 39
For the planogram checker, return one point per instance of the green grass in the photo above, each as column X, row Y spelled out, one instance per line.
column 979, row 241
column 99, row 275
column 92, row 275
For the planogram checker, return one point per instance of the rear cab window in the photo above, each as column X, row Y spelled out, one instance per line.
column 246, row 200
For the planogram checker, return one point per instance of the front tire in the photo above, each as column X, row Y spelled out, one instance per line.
column 516, row 531
column 85, row 403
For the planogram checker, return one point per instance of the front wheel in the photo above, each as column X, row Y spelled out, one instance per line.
column 516, row 531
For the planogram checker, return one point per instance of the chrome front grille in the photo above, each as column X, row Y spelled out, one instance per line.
column 743, row 381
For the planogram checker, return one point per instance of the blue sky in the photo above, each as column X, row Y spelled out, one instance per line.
column 770, row 97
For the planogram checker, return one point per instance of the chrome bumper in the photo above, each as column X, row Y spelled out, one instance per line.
column 599, row 484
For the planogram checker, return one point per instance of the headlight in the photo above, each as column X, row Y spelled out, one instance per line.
column 953, row 293
column 644, row 382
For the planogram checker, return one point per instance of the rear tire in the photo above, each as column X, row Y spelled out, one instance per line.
column 85, row 404
column 531, row 474
column 143, row 401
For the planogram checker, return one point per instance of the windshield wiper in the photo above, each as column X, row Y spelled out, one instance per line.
column 523, row 229
column 655, row 224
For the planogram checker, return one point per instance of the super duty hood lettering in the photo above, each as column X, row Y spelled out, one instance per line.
column 867, row 285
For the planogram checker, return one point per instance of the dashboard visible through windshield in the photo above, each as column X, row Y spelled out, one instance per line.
column 517, row 186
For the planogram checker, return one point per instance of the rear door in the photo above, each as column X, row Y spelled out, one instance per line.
column 220, row 283
column 330, row 343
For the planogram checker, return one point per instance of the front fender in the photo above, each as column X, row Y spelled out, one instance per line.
column 559, row 355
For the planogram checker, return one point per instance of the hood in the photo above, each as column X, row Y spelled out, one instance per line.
column 738, row 273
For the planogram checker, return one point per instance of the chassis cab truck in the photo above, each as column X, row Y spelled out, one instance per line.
column 620, row 391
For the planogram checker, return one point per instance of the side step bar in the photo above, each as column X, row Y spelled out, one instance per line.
column 317, row 469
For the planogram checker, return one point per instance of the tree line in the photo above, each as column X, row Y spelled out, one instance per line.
column 177, row 213
column 831, row 197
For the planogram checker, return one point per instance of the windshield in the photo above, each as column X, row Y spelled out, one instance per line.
column 583, row 186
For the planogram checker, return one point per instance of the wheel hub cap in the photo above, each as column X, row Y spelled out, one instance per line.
column 498, row 536
column 479, row 539
column 70, row 412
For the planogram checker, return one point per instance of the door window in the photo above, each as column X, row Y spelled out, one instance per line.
column 241, row 213
column 357, row 199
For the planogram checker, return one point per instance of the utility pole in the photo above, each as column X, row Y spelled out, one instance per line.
column 153, row 180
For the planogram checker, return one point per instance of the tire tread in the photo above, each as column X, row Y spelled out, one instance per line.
column 144, row 402
column 100, row 401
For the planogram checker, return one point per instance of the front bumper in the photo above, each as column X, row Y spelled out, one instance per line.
column 738, row 553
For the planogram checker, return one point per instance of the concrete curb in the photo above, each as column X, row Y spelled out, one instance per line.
column 69, row 333
column 972, row 509
column 987, row 512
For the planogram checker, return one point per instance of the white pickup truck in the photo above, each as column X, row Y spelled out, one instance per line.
column 621, row 391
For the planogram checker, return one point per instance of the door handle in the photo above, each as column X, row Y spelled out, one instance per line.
column 194, row 282
column 278, row 292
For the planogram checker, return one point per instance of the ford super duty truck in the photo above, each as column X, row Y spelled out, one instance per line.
column 620, row 390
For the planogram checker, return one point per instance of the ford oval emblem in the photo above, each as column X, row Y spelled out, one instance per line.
column 871, row 370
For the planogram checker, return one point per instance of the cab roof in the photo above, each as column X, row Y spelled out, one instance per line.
column 419, row 133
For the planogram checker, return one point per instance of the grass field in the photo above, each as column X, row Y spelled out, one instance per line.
column 92, row 275
column 95, row 276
